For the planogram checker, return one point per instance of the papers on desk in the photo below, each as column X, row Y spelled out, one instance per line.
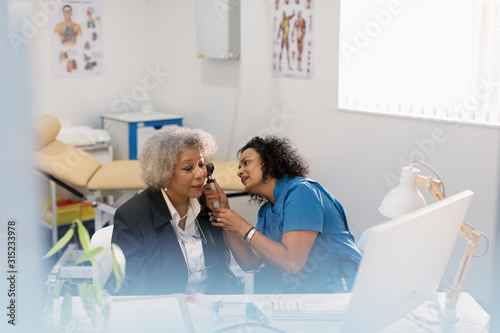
column 150, row 314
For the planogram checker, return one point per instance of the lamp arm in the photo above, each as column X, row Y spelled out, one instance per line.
column 432, row 185
column 472, row 237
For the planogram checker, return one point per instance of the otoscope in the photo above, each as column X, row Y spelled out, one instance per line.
column 210, row 180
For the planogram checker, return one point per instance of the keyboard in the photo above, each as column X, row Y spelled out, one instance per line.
column 303, row 310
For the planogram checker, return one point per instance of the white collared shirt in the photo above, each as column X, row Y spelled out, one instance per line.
column 190, row 243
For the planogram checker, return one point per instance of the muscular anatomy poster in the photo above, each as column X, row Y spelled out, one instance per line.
column 293, row 42
column 77, row 44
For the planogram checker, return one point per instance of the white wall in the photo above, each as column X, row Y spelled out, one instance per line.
column 204, row 91
column 352, row 154
column 82, row 100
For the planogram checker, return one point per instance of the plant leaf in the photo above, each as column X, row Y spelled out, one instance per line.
column 56, row 291
column 89, row 255
column 98, row 291
column 87, row 295
column 66, row 309
column 60, row 243
column 83, row 236
column 101, row 301
column 118, row 264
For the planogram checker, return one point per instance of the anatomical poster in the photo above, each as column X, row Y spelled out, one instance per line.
column 293, row 42
column 77, row 39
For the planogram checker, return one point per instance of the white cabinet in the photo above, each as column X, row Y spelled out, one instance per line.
column 218, row 29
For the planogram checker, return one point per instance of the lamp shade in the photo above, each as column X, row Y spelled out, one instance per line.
column 405, row 197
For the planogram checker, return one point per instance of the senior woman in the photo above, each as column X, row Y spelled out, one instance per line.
column 302, row 242
column 164, row 232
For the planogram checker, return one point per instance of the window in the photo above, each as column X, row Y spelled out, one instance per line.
column 432, row 59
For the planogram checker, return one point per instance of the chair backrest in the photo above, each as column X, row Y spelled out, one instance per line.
column 59, row 159
column 46, row 129
column 102, row 237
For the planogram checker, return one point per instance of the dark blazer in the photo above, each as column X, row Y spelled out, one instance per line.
column 155, row 264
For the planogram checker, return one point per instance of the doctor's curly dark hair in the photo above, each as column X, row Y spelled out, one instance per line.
column 278, row 157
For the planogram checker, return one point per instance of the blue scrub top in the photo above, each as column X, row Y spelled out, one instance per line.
column 303, row 204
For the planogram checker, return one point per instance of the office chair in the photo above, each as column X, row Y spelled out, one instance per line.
column 102, row 270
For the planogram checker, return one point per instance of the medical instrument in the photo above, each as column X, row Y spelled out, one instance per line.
column 343, row 272
column 210, row 180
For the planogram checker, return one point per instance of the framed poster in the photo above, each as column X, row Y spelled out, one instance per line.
column 77, row 41
column 293, row 26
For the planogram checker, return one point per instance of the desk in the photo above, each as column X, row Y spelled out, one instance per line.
column 130, row 130
column 472, row 317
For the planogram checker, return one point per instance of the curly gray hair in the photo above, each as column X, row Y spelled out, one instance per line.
column 159, row 154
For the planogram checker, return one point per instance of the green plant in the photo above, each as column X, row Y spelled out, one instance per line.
column 91, row 295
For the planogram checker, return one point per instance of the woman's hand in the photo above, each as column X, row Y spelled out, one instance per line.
column 229, row 220
column 290, row 255
column 235, row 227
column 212, row 196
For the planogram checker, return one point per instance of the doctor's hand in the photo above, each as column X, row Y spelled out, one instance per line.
column 229, row 220
column 213, row 196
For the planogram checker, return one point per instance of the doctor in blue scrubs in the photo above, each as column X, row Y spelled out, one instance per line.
column 301, row 242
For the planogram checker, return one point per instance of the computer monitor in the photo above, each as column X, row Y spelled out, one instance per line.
column 403, row 263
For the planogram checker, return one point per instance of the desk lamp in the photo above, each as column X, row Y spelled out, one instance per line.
column 406, row 198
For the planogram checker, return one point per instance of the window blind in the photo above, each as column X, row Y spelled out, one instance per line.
column 429, row 59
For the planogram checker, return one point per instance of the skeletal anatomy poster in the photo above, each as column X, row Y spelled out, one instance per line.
column 293, row 42
column 77, row 39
